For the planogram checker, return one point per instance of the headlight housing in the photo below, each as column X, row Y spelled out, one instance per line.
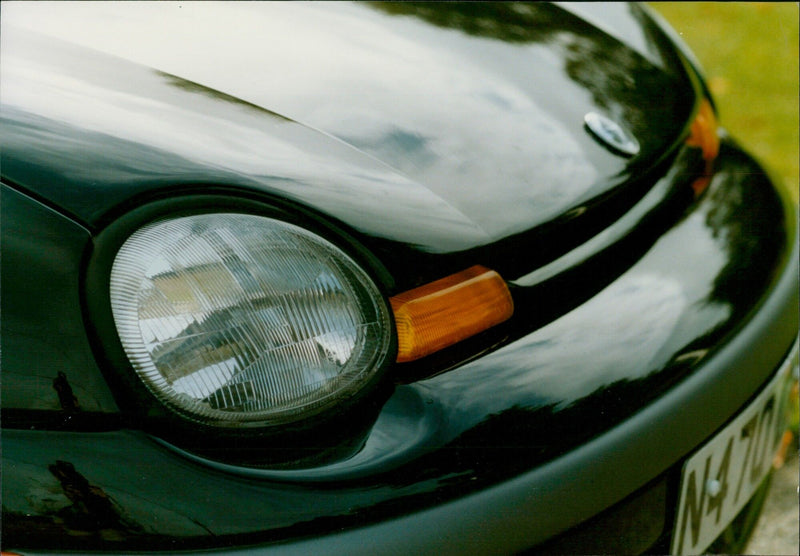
column 242, row 320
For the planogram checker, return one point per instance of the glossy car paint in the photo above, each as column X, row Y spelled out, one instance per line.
column 456, row 163
column 603, row 326
column 439, row 438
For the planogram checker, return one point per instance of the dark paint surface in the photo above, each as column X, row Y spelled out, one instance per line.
column 48, row 364
column 458, row 154
column 443, row 437
column 479, row 131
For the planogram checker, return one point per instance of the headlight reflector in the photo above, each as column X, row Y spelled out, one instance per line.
column 237, row 319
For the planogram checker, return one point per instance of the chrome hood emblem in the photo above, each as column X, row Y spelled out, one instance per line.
column 611, row 135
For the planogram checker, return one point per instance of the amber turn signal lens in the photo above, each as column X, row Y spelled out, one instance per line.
column 704, row 131
column 704, row 136
column 442, row 313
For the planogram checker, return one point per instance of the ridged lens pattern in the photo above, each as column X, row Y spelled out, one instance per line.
column 237, row 319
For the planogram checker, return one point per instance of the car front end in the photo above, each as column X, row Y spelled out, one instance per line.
column 438, row 278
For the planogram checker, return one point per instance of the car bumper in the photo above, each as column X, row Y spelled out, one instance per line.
column 525, row 511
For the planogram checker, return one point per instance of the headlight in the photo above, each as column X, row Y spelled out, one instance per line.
column 237, row 319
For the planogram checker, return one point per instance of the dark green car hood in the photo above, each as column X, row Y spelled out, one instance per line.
column 469, row 118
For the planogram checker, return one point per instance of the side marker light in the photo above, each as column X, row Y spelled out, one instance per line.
column 437, row 315
column 704, row 136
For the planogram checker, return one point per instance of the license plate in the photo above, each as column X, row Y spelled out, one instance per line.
column 718, row 480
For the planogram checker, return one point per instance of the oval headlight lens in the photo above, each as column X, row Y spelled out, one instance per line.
column 237, row 319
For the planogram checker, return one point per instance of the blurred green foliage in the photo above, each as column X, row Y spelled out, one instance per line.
column 749, row 52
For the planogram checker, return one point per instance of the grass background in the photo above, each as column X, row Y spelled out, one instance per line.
column 749, row 52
